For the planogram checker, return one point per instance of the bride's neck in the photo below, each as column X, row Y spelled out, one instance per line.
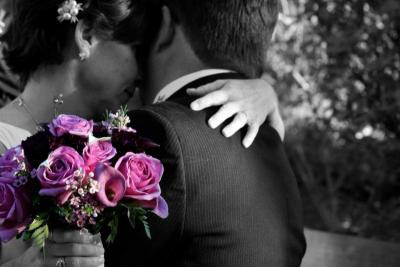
column 46, row 84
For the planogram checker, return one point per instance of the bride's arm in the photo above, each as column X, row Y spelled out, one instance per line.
column 251, row 102
column 3, row 149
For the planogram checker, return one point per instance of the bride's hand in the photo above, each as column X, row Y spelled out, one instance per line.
column 252, row 102
column 73, row 248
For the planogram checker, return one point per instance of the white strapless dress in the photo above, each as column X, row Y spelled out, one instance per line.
column 11, row 136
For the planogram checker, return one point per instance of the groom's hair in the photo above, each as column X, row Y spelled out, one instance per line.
column 232, row 34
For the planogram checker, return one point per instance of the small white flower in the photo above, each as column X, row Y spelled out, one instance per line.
column 81, row 192
column 77, row 173
column 69, row 11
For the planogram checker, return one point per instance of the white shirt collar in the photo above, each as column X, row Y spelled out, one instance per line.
column 177, row 84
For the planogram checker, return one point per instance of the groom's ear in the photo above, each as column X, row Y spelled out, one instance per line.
column 167, row 31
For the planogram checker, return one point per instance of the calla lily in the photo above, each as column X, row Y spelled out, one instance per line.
column 112, row 185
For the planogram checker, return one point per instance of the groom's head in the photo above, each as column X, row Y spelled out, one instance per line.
column 198, row 34
column 233, row 34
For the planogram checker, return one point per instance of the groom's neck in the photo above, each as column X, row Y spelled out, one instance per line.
column 164, row 70
column 159, row 80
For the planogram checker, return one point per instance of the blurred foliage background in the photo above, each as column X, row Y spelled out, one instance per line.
column 336, row 67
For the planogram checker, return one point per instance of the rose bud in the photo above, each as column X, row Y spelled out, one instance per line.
column 100, row 151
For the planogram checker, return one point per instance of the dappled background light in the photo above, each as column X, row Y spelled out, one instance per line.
column 336, row 66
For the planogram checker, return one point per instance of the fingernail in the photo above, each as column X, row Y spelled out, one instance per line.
column 246, row 144
column 195, row 106
column 226, row 133
column 212, row 123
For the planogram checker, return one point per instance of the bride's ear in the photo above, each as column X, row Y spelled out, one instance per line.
column 167, row 30
column 84, row 39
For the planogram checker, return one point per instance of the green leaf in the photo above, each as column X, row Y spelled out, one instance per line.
column 39, row 242
column 146, row 228
column 131, row 218
column 40, row 235
column 38, row 232
column 38, row 222
column 137, row 213
column 113, row 224
column 27, row 235
column 130, row 205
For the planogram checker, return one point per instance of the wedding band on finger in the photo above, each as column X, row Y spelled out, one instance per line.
column 61, row 262
column 242, row 117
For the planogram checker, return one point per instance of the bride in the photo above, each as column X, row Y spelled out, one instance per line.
column 83, row 57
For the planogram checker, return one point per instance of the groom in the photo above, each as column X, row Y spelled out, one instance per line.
column 228, row 206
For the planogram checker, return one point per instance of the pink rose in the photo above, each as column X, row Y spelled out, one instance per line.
column 58, row 171
column 112, row 185
column 143, row 174
column 100, row 151
column 12, row 160
column 15, row 208
column 70, row 124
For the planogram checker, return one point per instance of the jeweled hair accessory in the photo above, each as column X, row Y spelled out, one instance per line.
column 69, row 11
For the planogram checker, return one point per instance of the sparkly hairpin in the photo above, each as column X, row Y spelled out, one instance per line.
column 69, row 10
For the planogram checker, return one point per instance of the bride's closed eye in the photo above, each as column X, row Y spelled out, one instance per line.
column 250, row 102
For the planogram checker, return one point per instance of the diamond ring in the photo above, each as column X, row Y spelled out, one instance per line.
column 61, row 262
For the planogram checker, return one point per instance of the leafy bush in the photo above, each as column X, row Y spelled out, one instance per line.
column 337, row 67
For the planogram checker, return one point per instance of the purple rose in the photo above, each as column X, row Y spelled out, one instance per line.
column 100, row 151
column 15, row 208
column 143, row 174
column 58, row 171
column 12, row 160
column 70, row 124
column 112, row 185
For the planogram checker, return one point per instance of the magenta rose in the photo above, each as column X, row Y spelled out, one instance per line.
column 57, row 171
column 112, row 185
column 15, row 208
column 143, row 174
column 12, row 160
column 70, row 124
column 100, row 151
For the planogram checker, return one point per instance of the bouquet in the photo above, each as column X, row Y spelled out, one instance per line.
column 80, row 174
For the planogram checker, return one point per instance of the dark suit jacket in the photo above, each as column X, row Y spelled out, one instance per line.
column 229, row 206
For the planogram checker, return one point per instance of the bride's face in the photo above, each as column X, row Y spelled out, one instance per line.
column 107, row 77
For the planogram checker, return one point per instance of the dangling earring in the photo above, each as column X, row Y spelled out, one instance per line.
column 83, row 56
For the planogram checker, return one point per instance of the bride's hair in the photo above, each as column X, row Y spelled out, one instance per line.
column 36, row 37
